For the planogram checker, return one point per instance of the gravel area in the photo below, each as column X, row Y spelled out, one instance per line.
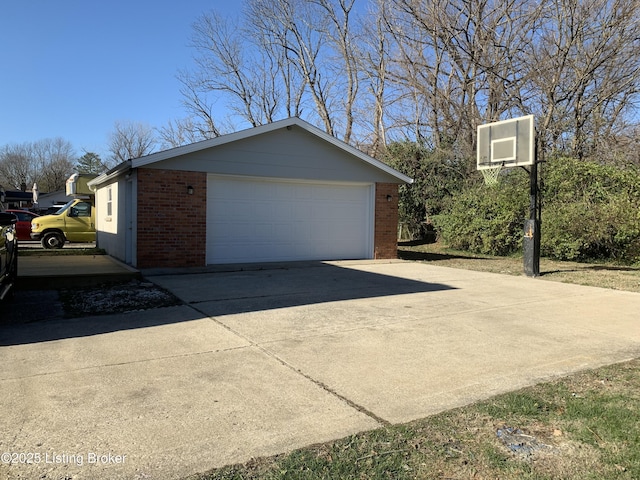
column 28, row 306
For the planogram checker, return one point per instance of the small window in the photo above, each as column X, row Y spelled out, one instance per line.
column 109, row 201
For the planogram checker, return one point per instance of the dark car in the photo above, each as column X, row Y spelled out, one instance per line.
column 8, row 249
column 23, row 227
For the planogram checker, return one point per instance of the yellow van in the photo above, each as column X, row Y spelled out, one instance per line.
column 75, row 222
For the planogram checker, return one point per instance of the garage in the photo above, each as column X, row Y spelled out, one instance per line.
column 285, row 191
column 257, row 220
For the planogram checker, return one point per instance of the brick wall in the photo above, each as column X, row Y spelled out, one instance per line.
column 386, row 221
column 172, row 225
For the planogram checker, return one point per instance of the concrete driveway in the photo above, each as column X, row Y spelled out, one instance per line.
column 264, row 361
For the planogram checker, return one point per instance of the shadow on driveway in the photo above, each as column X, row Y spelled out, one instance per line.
column 255, row 290
column 59, row 329
column 228, row 293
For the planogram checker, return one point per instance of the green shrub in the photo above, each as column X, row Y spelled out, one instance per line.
column 590, row 211
column 437, row 177
column 485, row 219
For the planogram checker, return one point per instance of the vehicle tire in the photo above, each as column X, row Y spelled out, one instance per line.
column 53, row 240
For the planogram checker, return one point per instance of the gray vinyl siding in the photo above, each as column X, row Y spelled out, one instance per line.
column 283, row 153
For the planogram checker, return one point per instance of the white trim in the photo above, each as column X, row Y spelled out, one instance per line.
column 372, row 221
column 258, row 178
column 513, row 145
column 131, row 220
column 110, row 175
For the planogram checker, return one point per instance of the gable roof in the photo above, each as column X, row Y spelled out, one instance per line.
column 251, row 132
column 245, row 134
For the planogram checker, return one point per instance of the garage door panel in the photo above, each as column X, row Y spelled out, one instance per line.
column 251, row 220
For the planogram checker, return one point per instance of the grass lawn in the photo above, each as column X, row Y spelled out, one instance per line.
column 607, row 275
column 586, row 426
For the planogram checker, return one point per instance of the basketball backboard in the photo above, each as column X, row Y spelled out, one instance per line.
column 508, row 143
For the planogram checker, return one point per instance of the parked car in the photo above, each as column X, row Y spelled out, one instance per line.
column 8, row 249
column 23, row 227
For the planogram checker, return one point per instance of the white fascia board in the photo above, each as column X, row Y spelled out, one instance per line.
column 259, row 130
column 105, row 177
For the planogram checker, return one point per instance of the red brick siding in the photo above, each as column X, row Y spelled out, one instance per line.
column 172, row 225
column 386, row 221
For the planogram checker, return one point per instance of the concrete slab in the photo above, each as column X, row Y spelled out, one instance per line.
column 165, row 394
column 57, row 271
column 404, row 340
column 265, row 361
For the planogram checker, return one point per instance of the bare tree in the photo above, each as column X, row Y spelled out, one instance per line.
column 585, row 70
column 182, row 132
column 573, row 63
column 285, row 81
column 17, row 165
column 425, row 71
column 227, row 64
column 459, row 63
column 291, row 26
column 130, row 140
column 375, row 46
column 342, row 33
column 55, row 159
column 49, row 162
column 287, row 58
column 201, row 117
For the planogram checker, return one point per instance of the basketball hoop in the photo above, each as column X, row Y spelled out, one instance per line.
column 491, row 174
column 508, row 144
column 505, row 144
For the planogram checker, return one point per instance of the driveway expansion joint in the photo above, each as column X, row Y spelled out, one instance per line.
column 318, row 383
column 351, row 403
column 120, row 364
column 326, row 388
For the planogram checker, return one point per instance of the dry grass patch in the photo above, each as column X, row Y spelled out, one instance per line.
column 586, row 426
column 618, row 277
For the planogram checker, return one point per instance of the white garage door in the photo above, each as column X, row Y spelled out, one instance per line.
column 255, row 220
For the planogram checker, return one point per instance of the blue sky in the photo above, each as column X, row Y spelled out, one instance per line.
column 72, row 68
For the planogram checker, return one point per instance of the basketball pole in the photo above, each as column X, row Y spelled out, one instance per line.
column 531, row 240
column 519, row 146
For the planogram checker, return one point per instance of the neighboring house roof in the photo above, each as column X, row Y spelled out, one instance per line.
column 59, row 196
column 244, row 134
column 17, row 196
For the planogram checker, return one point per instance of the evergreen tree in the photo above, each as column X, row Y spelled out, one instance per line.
column 90, row 163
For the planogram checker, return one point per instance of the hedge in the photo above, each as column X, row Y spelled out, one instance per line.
column 590, row 212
